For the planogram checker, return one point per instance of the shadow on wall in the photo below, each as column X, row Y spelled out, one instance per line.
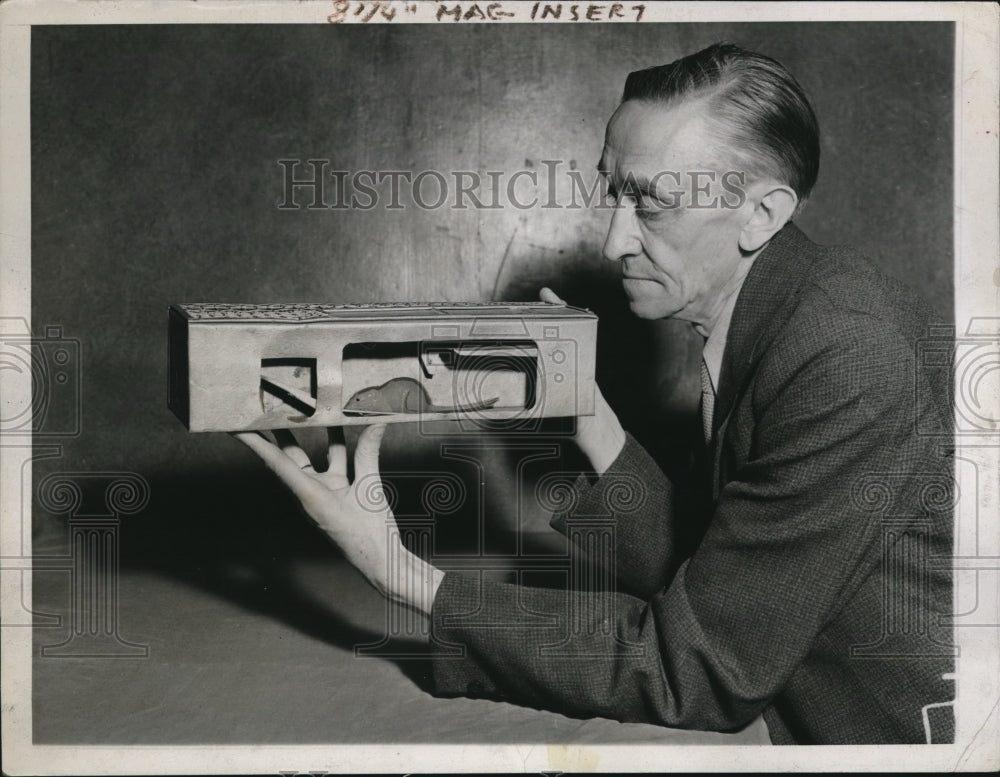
column 242, row 539
column 237, row 535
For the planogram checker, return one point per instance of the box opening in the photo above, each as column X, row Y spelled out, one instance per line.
column 439, row 376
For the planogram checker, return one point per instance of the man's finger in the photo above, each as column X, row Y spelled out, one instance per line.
column 290, row 446
column 547, row 295
column 337, row 451
column 366, row 452
column 274, row 458
column 367, row 478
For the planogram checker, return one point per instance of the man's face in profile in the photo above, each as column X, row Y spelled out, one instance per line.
column 676, row 227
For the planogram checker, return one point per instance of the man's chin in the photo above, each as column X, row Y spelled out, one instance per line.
column 646, row 298
column 650, row 309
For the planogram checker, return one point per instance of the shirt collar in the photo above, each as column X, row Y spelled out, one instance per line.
column 715, row 345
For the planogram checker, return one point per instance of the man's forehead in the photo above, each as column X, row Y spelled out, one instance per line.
column 641, row 134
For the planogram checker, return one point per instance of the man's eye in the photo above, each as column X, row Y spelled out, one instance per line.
column 618, row 199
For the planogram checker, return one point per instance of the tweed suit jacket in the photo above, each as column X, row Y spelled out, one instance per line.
column 816, row 589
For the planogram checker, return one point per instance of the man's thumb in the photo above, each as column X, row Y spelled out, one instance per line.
column 547, row 295
column 366, row 453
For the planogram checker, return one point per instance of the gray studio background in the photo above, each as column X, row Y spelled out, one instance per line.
column 155, row 180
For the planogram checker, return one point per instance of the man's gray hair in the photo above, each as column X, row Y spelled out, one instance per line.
column 760, row 111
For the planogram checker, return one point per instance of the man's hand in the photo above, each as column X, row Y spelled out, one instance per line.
column 600, row 436
column 353, row 515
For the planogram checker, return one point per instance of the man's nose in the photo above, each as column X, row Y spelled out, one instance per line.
column 622, row 240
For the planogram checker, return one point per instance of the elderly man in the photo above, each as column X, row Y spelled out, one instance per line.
column 781, row 591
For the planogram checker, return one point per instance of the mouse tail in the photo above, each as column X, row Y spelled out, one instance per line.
column 486, row 404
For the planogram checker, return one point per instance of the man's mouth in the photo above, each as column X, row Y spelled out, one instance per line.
column 632, row 286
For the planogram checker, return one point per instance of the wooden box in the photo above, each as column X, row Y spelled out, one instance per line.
column 235, row 367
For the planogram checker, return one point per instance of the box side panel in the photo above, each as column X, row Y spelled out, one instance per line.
column 178, row 398
column 236, row 375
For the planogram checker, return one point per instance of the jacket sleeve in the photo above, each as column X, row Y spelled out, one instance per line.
column 636, row 498
column 786, row 543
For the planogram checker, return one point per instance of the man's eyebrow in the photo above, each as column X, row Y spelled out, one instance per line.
column 637, row 185
column 640, row 185
column 640, row 182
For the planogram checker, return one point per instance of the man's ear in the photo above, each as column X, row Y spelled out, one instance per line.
column 773, row 205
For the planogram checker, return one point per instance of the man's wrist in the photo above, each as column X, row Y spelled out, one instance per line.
column 415, row 583
column 603, row 450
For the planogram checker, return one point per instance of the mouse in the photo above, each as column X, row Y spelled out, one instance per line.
column 403, row 395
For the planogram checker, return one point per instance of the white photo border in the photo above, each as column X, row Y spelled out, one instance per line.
column 977, row 288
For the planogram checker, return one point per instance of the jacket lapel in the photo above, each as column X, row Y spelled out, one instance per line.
column 764, row 305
